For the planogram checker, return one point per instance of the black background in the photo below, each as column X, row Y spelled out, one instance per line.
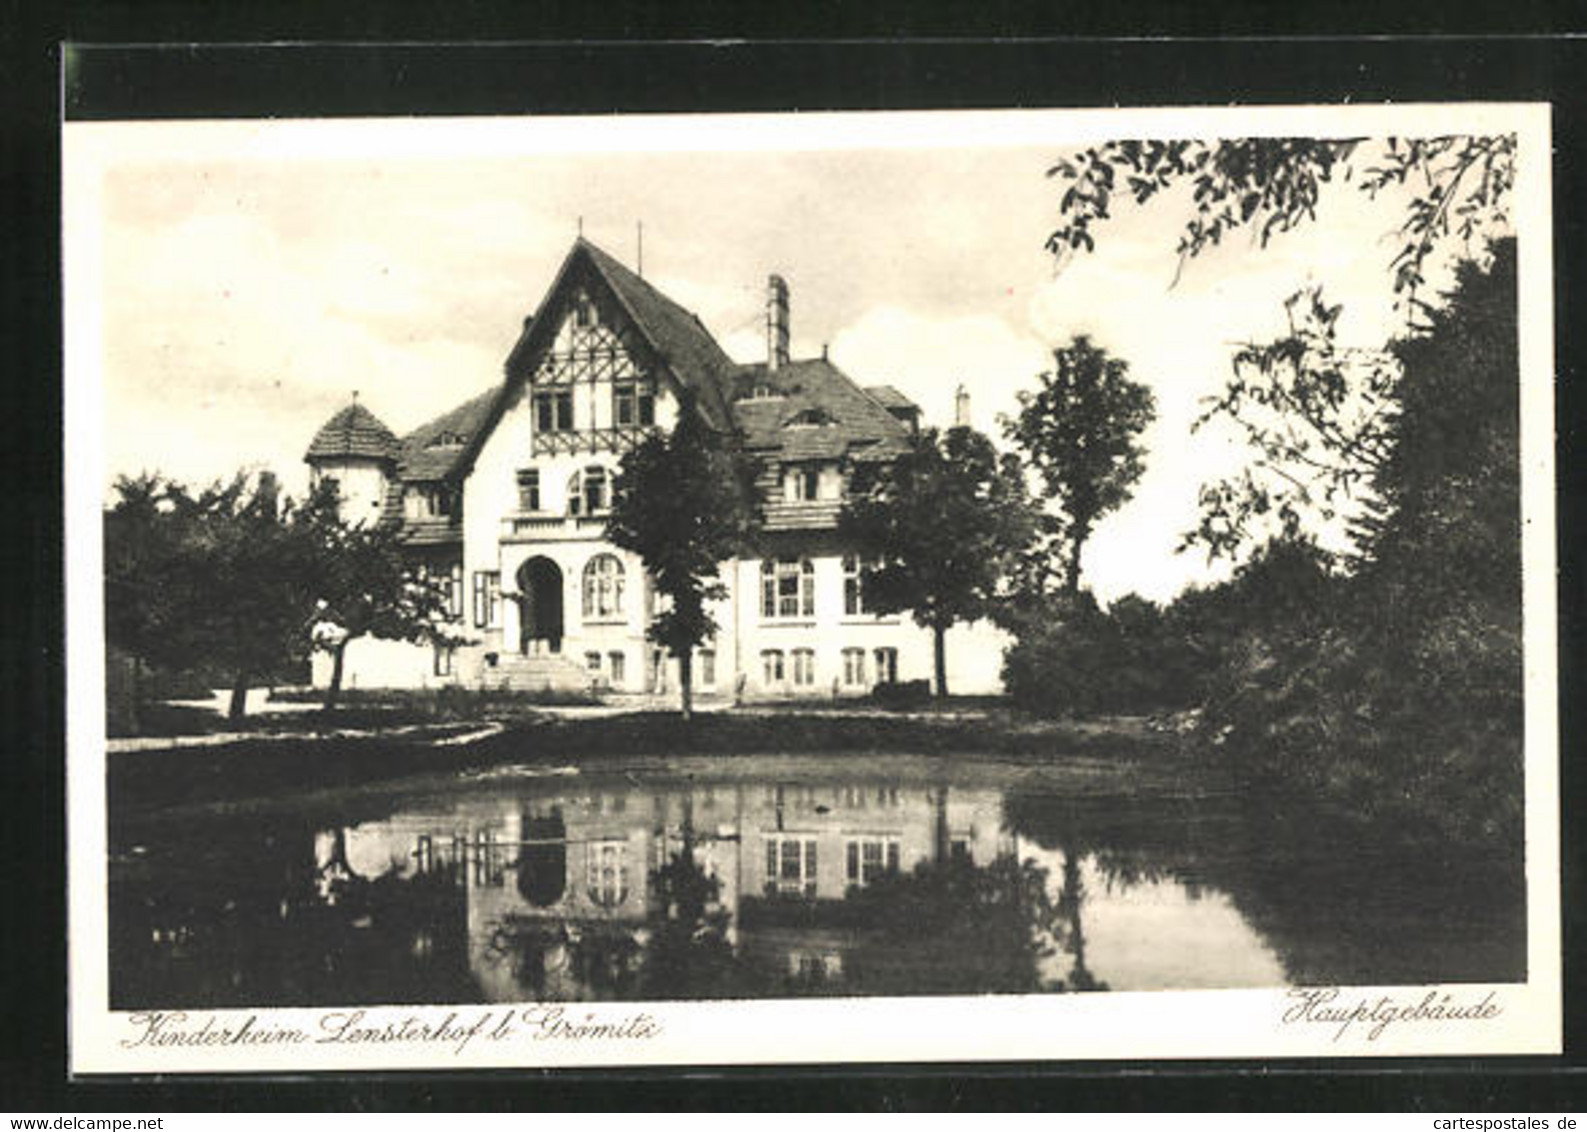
column 817, row 57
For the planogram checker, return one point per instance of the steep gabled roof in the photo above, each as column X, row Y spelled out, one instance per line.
column 676, row 336
column 849, row 422
column 352, row 433
column 859, row 425
column 432, row 451
column 889, row 398
column 685, row 345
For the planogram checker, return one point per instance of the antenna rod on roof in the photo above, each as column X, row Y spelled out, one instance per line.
column 641, row 249
column 581, row 226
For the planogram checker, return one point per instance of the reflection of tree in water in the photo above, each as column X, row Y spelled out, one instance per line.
column 690, row 953
column 682, row 951
column 556, row 961
column 1071, row 900
column 953, row 927
column 1337, row 900
column 240, row 916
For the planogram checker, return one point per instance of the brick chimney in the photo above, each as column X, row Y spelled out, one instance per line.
column 776, row 322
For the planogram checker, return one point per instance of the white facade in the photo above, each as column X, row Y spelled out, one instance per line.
column 360, row 486
column 545, row 598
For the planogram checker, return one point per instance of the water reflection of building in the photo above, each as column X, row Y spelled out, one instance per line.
column 561, row 892
column 817, row 845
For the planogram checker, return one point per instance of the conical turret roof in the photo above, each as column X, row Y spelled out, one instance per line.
column 353, row 432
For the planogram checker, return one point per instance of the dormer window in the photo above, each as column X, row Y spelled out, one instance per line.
column 428, row 501
column 583, row 312
column 806, row 483
column 760, row 391
column 447, row 438
column 810, row 418
column 803, row 485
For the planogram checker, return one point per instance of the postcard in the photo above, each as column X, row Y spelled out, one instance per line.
column 826, row 588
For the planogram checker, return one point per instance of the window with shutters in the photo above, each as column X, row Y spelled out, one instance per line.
column 788, row 589
column 487, row 599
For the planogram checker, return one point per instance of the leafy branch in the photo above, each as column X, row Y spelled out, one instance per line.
column 1319, row 417
column 1458, row 184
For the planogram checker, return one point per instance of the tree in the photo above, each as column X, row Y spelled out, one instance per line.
column 224, row 577
column 1081, row 432
column 1396, row 685
column 682, row 501
column 144, row 533
column 1457, row 184
column 943, row 525
column 368, row 586
column 1318, row 418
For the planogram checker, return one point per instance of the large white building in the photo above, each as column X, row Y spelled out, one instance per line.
column 506, row 495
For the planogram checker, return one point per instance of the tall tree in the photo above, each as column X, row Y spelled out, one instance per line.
column 369, row 586
column 683, row 502
column 1081, row 431
column 1397, row 685
column 947, row 522
column 224, row 577
column 1456, row 184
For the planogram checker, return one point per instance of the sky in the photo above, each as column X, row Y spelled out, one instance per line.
column 237, row 282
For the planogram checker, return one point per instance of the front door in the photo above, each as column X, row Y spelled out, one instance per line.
column 540, row 620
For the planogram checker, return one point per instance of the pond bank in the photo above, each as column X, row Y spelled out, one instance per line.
column 252, row 767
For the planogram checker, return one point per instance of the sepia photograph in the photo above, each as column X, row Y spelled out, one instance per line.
column 803, row 588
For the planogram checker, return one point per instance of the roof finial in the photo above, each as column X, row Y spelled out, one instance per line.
column 641, row 264
column 581, row 227
column 355, row 396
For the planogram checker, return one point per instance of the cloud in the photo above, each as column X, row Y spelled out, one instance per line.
column 927, row 358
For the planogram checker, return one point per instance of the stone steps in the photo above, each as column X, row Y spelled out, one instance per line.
column 537, row 674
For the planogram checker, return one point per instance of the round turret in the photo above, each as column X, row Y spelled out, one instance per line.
column 357, row 452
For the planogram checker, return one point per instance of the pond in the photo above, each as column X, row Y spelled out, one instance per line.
column 778, row 877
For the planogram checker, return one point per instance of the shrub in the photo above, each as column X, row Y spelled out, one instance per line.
column 1071, row 658
column 902, row 694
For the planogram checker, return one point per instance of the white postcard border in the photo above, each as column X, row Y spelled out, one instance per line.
column 1161, row 1025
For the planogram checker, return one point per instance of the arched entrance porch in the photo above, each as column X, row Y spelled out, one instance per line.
column 539, row 607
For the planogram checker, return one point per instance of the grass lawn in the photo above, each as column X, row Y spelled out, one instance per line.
column 358, row 710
